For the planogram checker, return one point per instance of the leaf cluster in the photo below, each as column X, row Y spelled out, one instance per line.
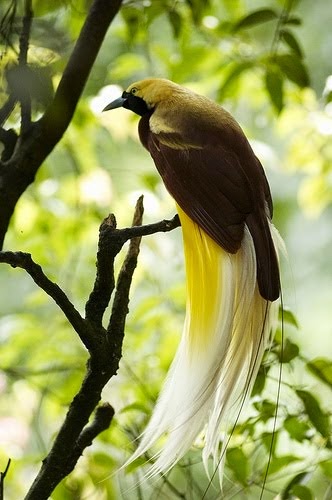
column 255, row 62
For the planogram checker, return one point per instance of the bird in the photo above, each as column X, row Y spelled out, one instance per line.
column 231, row 254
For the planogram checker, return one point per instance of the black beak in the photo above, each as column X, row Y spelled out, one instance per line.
column 129, row 101
column 118, row 103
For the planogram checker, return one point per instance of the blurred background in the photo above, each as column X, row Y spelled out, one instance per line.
column 269, row 64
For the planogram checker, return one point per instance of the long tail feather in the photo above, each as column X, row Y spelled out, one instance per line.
column 227, row 328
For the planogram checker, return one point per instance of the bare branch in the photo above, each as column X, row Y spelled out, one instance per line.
column 105, row 346
column 71, row 438
column 8, row 139
column 6, row 25
column 108, row 247
column 6, row 109
column 110, row 243
column 116, row 324
column 162, row 226
column 102, row 420
column 25, row 98
column 24, row 261
column 2, row 479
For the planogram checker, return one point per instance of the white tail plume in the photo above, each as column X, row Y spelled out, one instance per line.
column 228, row 326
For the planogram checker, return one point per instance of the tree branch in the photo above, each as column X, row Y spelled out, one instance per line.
column 25, row 261
column 59, row 114
column 71, row 438
column 2, row 479
column 108, row 247
column 101, row 422
column 111, row 241
column 115, row 329
column 8, row 139
column 6, row 109
column 162, row 226
column 18, row 172
column 25, row 97
column 105, row 346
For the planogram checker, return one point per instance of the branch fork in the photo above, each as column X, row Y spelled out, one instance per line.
column 103, row 343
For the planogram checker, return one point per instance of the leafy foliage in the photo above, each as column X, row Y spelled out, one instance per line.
column 255, row 62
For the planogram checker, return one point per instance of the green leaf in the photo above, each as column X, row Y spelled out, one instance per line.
column 260, row 381
column 41, row 8
column 326, row 467
column 286, row 493
column 257, row 17
column 233, row 77
column 278, row 463
column 296, row 428
column 150, row 180
column 287, row 316
column 328, row 97
column 238, row 462
column 292, row 42
column 197, row 8
column 317, row 417
column 274, row 86
column 132, row 16
column 289, row 352
column 302, row 492
column 126, row 64
column 139, row 462
column 176, row 22
column 322, row 369
column 293, row 68
column 294, row 20
column 269, row 440
column 266, row 409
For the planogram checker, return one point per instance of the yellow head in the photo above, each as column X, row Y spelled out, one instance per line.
column 145, row 95
column 154, row 90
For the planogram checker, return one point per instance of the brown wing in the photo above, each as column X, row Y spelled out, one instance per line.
column 220, row 187
column 213, row 195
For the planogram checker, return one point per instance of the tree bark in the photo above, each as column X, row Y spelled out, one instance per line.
column 39, row 138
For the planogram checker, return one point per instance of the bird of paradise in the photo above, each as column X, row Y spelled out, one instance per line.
column 232, row 272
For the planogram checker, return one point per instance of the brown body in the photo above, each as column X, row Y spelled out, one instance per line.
column 209, row 168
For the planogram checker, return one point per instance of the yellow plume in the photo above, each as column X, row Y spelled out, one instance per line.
column 228, row 326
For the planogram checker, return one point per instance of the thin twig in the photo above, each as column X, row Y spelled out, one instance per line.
column 109, row 246
column 6, row 26
column 162, row 226
column 25, row 97
column 101, row 422
column 2, row 479
column 117, row 320
column 25, row 261
column 171, row 486
column 8, row 139
column 7, row 108
column 110, row 243
column 286, row 10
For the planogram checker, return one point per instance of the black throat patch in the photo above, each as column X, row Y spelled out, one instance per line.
column 135, row 104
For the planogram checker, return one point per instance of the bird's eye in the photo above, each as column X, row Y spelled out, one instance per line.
column 133, row 90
